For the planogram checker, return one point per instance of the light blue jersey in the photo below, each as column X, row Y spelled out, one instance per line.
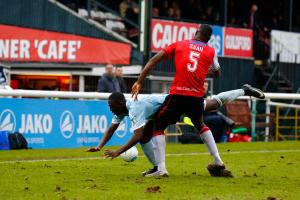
column 142, row 110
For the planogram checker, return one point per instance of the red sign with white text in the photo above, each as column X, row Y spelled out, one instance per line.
column 238, row 42
column 166, row 32
column 32, row 45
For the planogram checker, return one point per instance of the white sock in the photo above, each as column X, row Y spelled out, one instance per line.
column 210, row 143
column 159, row 145
column 225, row 97
column 149, row 153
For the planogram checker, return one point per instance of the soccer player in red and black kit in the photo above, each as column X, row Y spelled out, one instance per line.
column 194, row 60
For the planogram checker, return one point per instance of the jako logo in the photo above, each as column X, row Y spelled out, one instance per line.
column 7, row 121
column 122, row 129
column 67, row 124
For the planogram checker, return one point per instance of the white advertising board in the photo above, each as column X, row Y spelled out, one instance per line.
column 287, row 44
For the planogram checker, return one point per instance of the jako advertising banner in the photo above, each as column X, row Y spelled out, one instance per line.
column 60, row 123
column 32, row 45
column 238, row 41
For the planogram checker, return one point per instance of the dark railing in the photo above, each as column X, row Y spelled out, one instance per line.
column 292, row 102
column 275, row 71
column 284, row 64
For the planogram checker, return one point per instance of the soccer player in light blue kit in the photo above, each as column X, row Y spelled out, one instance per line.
column 139, row 113
column 142, row 111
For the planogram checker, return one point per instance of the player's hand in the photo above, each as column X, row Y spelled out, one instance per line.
column 93, row 149
column 135, row 90
column 111, row 154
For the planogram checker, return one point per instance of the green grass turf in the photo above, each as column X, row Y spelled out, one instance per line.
column 258, row 174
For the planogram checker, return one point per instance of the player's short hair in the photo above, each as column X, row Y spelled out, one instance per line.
column 205, row 31
column 117, row 97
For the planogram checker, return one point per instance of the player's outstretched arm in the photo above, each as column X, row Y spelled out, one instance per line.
column 137, row 137
column 137, row 86
column 107, row 135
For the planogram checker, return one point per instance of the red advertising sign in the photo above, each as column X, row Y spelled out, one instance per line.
column 31, row 45
column 166, row 32
column 238, row 42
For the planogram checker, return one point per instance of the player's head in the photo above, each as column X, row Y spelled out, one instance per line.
column 117, row 103
column 203, row 33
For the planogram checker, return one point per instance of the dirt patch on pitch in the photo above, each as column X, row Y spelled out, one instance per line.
column 154, row 189
column 273, row 198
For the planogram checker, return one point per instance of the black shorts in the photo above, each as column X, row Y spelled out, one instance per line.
column 176, row 105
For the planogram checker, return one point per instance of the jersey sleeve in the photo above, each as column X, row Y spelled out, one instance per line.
column 117, row 119
column 215, row 65
column 170, row 50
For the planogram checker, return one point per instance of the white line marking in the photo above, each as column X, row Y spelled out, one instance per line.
column 167, row 155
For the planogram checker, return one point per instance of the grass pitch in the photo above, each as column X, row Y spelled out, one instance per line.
column 261, row 170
